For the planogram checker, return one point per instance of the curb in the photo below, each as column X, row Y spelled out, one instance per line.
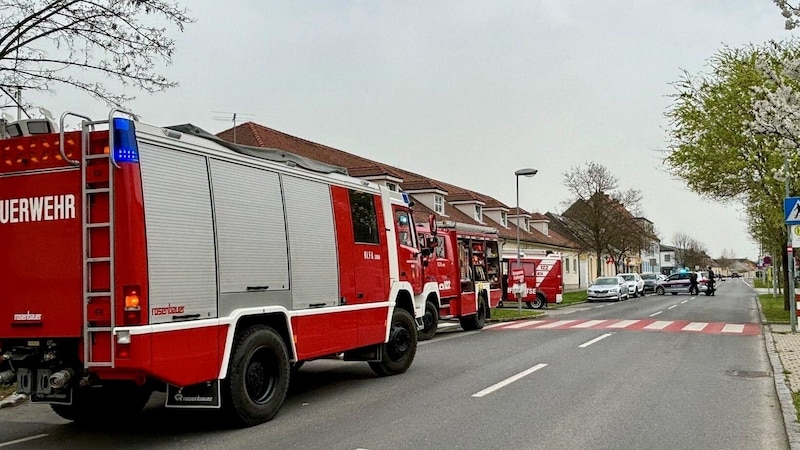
column 788, row 410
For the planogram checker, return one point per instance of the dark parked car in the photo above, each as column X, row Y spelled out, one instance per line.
column 734, row 275
column 650, row 279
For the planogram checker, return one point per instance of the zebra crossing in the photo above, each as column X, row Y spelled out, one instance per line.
column 666, row 326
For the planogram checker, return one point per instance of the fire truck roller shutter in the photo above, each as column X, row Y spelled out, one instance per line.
column 312, row 243
column 251, row 237
column 180, row 234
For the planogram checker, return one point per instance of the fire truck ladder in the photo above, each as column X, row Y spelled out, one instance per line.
column 93, row 192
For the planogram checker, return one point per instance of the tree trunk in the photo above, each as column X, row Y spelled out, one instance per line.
column 598, row 269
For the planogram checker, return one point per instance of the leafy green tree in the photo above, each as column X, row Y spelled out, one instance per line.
column 734, row 129
column 84, row 44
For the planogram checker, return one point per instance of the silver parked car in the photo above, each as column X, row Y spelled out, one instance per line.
column 608, row 288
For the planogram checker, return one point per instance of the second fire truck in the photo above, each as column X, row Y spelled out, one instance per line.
column 465, row 263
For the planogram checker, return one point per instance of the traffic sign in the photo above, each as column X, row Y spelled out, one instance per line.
column 791, row 210
column 518, row 275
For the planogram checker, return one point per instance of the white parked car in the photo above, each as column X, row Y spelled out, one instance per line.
column 635, row 283
column 608, row 288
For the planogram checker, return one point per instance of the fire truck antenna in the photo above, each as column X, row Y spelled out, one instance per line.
column 232, row 117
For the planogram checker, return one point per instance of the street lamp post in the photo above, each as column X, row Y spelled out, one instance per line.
column 517, row 174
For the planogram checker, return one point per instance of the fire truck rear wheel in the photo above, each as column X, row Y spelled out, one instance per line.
column 536, row 304
column 258, row 377
column 477, row 321
column 399, row 351
column 430, row 321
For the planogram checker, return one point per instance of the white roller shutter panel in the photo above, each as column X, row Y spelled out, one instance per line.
column 251, row 230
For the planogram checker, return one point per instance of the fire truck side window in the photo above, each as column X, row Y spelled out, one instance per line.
column 440, row 250
column 405, row 233
column 365, row 220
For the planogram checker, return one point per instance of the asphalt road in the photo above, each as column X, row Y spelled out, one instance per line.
column 645, row 373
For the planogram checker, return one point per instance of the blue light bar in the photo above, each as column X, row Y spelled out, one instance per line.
column 125, row 147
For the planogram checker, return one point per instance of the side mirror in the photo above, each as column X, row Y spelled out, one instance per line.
column 426, row 251
column 431, row 243
column 432, row 224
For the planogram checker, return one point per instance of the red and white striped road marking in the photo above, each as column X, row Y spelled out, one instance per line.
column 669, row 326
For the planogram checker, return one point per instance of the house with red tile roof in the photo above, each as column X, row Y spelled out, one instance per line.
column 446, row 201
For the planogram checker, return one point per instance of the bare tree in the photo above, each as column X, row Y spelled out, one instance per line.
column 599, row 215
column 689, row 252
column 83, row 44
column 726, row 258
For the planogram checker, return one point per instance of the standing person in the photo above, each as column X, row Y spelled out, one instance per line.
column 693, row 289
column 710, row 280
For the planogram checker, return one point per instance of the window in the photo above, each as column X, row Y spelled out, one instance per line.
column 405, row 229
column 438, row 204
column 525, row 224
column 575, row 265
column 504, row 218
column 478, row 213
column 391, row 186
column 365, row 221
column 666, row 257
column 566, row 261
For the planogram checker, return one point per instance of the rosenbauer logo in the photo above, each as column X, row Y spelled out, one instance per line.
column 27, row 317
column 167, row 310
column 37, row 209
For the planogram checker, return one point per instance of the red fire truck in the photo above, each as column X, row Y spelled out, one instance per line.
column 465, row 263
column 137, row 258
column 542, row 278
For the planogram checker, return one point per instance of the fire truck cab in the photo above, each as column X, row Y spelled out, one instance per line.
column 139, row 258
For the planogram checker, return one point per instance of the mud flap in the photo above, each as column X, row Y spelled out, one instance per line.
column 202, row 395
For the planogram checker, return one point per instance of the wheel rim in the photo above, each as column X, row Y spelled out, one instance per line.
column 261, row 375
column 427, row 319
column 399, row 342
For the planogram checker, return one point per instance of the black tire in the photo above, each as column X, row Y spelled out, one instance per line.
column 635, row 293
column 105, row 404
column 619, row 297
column 644, row 291
column 430, row 321
column 398, row 353
column 538, row 303
column 660, row 290
column 500, row 304
column 475, row 321
column 258, row 377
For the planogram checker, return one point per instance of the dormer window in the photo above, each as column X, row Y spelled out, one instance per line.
column 478, row 213
column 504, row 218
column 525, row 224
column 438, row 204
column 391, row 186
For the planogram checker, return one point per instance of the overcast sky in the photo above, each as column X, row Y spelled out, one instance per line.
column 466, row 92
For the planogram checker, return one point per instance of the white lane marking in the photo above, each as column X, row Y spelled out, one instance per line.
column 685, row 301
column 597, row 339
column 557, row 323
column 695, row 326
column 733, row 328
column 508, row 381
column 494, row 325
column 673, row 306
column 588, row 323
column 18, row 441
column 656, row 313
column 599, row 306
column 658, row 325
column 622, row 324
column 523, row 323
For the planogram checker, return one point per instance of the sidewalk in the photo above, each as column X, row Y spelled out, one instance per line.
column 783, row 348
